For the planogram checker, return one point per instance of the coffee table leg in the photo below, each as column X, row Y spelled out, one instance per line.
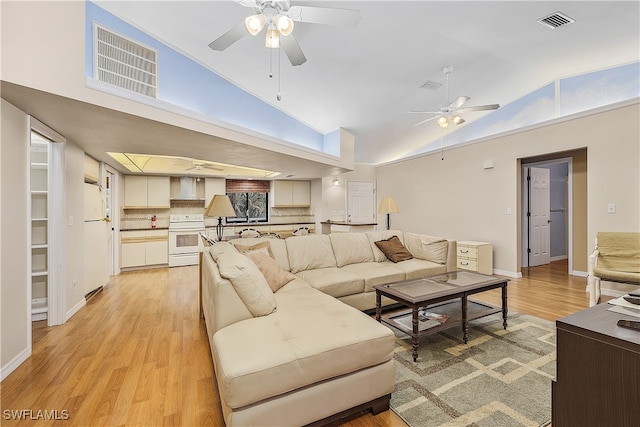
column 465, row 322
column 414, row 337
column 378, row 306
column 504, row 306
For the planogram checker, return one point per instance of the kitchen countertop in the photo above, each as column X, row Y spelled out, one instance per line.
column 352, row 224
column 260, row 224
column 144, row 229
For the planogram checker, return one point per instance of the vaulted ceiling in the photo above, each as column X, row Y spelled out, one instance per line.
column 366, row 78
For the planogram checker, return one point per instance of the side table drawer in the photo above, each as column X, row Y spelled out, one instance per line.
column 468, row 264
column 467, row 251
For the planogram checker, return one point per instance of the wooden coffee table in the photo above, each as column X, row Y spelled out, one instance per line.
column 444, row 294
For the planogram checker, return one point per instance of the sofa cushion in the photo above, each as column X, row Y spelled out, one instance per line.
column 264, row 247
column 278, row 249
column 619, row 254
column 375, row 273
column 351, row 248
column 311, row 338
column 310, row 252
column 393, row 249
column 375, row 236
column 247, row 280
column 419, row 268
column 276, row 277
column 333, row 281
column 427, row 247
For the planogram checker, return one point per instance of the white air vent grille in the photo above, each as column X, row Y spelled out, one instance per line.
column 431, row 85
column 555, row 20
column 124, row 63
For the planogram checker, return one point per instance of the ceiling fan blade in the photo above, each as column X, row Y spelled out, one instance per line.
column 213, row 168
column 427, row 120
column 230, row 37
column 247, row 3
column 324, row 15
column 293, row 50
column 478, row 108
column 424, row 112
column 458, row 102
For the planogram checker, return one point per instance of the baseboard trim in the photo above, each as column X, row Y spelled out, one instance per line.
column 75, row 309
column 513, row 274
column 579, row 273
column 14, row 363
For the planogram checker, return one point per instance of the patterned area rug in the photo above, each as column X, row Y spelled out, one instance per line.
column 500, row 378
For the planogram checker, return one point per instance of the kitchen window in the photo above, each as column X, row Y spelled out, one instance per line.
column 250, row 200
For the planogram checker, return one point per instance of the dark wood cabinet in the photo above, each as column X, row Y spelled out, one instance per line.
column 598, row 371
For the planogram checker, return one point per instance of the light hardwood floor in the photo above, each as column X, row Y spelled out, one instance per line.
column 138, row 354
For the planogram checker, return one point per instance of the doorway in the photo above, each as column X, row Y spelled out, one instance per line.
column 567, row 211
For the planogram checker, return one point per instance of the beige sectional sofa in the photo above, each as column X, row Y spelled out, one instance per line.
column 302, row 352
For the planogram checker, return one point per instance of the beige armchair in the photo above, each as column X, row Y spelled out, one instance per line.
column 616, row 258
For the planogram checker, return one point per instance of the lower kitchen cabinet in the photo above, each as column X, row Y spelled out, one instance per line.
column 144, row 248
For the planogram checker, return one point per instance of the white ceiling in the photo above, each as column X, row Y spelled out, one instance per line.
column 366, row 78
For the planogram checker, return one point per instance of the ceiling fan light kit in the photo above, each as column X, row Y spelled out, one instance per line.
column 254, row 24
column 448, row 114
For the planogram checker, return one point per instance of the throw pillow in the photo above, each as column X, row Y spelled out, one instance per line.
column 248, row 282
column 393, row 249
column 276, row 277
column 430, row 248
column 263, row 247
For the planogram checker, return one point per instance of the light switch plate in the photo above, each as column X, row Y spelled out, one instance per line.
column 611, row 208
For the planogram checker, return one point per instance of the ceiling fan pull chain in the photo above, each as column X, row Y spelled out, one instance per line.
column 270, row 63
column 278, row 96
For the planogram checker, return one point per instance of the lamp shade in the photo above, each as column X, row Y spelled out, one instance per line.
column 220, row 206
column 388, row 205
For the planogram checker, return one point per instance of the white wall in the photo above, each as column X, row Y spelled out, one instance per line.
column 74, row 233
column 15, row 295
column 458, row 199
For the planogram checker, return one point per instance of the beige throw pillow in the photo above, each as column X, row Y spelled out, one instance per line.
column 263, row 247
column 276, row 277
column 248, row 282
column 393, row 249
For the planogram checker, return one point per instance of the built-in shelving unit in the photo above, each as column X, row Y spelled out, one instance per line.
column 39, row 188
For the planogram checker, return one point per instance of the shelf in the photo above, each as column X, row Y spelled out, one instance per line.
column 40, row 246
column 39, row 219
column 39, row 273
column 39, row 165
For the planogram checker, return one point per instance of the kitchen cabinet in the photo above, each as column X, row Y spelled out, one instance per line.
column 91, row 170
column 144, row 248
column 291, row 193
column 146, row 192
column 475, row 256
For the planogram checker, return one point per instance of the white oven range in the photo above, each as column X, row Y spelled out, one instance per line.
column 185, row 243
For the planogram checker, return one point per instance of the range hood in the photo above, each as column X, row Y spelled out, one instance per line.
column 186, row 190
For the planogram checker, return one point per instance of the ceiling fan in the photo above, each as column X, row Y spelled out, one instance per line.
column 449, row 113
column 278, row 16
column 198, row 166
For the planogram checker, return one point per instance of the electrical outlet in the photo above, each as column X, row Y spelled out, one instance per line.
column 611, row 208
column 508, row 211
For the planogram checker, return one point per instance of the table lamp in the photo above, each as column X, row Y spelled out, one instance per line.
column 388, row 206
column 219, row 206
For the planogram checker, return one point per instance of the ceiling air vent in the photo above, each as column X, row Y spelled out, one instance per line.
column 556, row 20
column 431, row 85
column 122, row 62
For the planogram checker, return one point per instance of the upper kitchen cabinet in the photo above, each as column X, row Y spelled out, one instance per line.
column 146, row 192
column 291, row 194
column 91, row 170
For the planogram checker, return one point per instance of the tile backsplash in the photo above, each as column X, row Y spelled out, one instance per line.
column 141, row 218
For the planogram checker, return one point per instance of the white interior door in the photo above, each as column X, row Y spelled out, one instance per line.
column 360, row 202
column 539, row 208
